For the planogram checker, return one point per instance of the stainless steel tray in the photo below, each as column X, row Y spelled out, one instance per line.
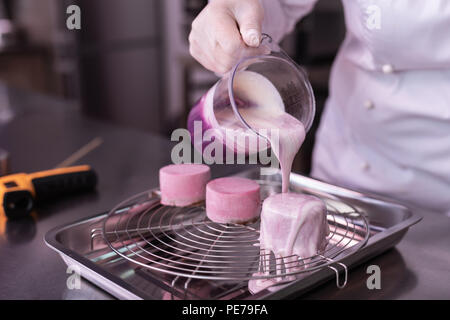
column 78, row 244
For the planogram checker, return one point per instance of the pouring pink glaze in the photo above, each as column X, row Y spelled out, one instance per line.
column 291, row 137
column 292, row 225
column 265, row 113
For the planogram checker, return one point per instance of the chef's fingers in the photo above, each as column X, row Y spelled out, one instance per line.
column 249, row 17
column 199, row 54
column 229, row 47
column 215, row 39
column 202, row 59
column 208, row 55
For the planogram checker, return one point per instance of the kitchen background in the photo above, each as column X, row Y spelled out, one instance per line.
column 130, row 64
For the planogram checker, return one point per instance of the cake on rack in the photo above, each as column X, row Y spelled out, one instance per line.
column 183, row 184
column 233, row 200
column 293, row 224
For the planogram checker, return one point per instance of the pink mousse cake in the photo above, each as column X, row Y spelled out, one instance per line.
column 183, row 184
column 293, row 223
column 232, row 200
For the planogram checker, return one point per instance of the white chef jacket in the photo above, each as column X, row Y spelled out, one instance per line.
column 386, row 124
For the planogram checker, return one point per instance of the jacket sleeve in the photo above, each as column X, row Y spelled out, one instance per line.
column 280, row 16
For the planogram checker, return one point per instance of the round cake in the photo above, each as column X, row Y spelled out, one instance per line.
column 293, row 223
column 183, row 184
column 232, row 200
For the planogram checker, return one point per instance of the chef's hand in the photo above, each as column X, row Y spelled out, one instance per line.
column 226, row 31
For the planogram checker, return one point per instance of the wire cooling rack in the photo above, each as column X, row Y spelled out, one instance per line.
column 183, row 242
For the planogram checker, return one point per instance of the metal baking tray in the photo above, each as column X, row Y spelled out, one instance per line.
column 79, row 245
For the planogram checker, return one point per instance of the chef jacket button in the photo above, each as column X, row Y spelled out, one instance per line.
column 368, row 104
column 387, row 68
column 365, row 166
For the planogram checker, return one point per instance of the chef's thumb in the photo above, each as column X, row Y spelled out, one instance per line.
column 249, row 16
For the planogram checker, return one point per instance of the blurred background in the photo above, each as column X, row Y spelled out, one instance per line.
column 130, row 64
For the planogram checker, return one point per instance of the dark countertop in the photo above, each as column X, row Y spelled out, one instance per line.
column 45, row 131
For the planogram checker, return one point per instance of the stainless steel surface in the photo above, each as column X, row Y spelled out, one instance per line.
column 417, row 268
column 134, row 254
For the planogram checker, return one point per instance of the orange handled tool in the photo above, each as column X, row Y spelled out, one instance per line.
column 19, row 192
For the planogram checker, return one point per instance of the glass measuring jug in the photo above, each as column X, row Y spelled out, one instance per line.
column 266, row 84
